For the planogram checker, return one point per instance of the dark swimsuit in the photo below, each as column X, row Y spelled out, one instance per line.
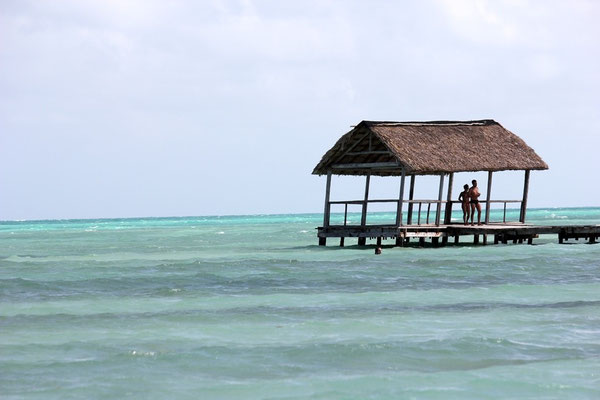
column 474, row 201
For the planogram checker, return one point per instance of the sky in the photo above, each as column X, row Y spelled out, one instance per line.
column 121, row 108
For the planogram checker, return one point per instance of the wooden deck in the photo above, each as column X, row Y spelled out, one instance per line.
column 441, row 234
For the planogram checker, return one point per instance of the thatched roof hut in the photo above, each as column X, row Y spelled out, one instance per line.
column 423, row 148
column 427, row 148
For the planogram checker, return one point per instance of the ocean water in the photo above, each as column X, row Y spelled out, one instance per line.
column 249, row 307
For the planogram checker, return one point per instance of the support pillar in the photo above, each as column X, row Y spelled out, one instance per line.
column 448, row 212
column 439, row 204
column 525, row 192
column 411, row 194
column 326, row 211
column 400, row 199
column 363, row 219
column 327, row 205
column 488, row 199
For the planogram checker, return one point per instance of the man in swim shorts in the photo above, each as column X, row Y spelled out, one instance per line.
column 474, row 196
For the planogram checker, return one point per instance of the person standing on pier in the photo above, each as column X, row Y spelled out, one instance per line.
column 463, row 197
column 474, row 196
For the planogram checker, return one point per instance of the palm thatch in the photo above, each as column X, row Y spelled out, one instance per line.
column 424, row 148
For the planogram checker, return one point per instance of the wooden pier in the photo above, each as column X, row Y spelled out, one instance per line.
column 458, row 233
column 440, row 148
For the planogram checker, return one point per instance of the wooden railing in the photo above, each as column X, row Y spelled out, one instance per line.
column 419, row 210
column 504, row 208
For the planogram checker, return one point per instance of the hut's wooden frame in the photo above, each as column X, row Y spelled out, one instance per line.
column 427, row 148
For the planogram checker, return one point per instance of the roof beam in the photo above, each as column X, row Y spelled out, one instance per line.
column 373, row 152
column 367, row 165
column 356, row 143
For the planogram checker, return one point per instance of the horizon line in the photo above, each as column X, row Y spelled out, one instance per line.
column 238, row 215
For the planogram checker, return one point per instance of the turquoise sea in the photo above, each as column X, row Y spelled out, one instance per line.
column 249, row 307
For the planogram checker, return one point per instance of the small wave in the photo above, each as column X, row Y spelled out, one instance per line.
column 303, row 231
column 554, row 216
column 220, row 233
column 142, row 353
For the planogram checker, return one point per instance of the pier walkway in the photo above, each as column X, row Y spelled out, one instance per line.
column 441, row 234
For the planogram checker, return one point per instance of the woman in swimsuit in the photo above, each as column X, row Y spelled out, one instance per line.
column 463, row 197
column 474, row 195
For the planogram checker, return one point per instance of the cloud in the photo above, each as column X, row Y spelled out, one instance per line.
column 486, row 22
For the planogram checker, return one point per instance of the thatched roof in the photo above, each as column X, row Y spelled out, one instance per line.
column 383, row 148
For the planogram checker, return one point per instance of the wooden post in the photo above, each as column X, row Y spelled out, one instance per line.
column 363, row 219
column 439, row 202
column 401, row 199
column 327, row 206
column 525, row 192
column 488, row 200
column 323, row 240
column 342, row 241
column 448, row 212
column 411, row 194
